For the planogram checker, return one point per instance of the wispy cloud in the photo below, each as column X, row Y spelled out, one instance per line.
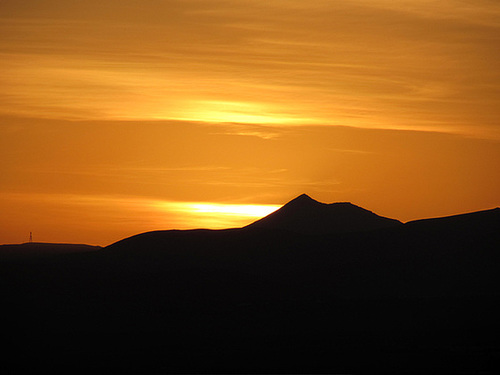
column 348, row 151
column 366, row 63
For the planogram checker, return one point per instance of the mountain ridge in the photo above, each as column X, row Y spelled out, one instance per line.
column 308, row 216
column 304, row 215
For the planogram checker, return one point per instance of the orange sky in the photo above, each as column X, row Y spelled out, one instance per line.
column 121, row 116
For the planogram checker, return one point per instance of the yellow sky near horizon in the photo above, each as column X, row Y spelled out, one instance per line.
column 394, row 106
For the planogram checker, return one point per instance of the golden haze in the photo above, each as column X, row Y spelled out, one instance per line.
column 118, row 117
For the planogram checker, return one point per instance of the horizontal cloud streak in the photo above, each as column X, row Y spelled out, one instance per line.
column 407, row 65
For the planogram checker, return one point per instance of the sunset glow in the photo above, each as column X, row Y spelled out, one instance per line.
column 241, row 210
column 234, row 112
column 242, row 105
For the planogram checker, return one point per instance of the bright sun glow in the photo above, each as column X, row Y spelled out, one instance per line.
column 247, row 210
column 234, row 112
column 188, row 215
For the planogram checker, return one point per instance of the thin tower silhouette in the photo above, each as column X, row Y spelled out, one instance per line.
column 31, row 237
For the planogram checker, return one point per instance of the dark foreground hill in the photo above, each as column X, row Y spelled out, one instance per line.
column 268, row 298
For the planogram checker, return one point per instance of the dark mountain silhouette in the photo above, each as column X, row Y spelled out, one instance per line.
column 371, row 294
column 306, row 215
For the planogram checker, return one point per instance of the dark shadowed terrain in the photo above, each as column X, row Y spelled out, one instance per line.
column 312, row 288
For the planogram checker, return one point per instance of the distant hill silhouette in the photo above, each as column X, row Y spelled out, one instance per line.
column 311, row 288
column 38, row 249
column 306, row 215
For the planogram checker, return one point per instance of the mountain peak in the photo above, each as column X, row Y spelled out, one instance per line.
column 303, row 200
column 302, row 197
column 303, row 214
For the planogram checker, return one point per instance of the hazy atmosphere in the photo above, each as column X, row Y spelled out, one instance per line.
column 120, row 116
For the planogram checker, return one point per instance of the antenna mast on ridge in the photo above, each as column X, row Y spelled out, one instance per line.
column 31, row 237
